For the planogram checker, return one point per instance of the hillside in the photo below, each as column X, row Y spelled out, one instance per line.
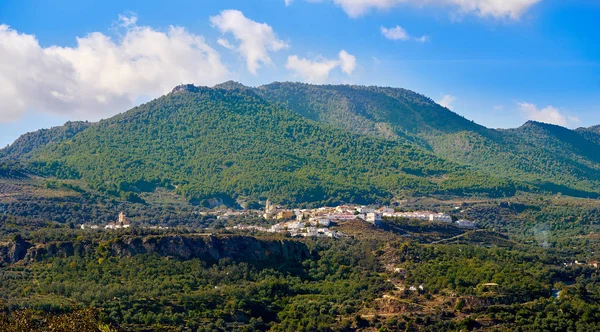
column 546, row 157
column 29, row 143
column 230, row 144
column 304, row 144
column 386, row 112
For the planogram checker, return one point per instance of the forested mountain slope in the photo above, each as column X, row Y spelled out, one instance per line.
column 386, row 112
column 228, row 144
column 300, row 143
column 31, row 142
column 545, row 156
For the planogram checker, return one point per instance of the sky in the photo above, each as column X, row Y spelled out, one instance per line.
column 497, row 62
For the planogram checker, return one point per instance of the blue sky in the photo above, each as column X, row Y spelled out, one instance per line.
column 496, row 62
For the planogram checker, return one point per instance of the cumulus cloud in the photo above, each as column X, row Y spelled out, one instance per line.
column 492, row 8
column 347, row 62
column 127, row 20
column 447, row 101
column 255, row 39
column 422, row 39
column 225, row 43
column 549, row 114
column 317, row 71
column 398, row 33
column 100, row 76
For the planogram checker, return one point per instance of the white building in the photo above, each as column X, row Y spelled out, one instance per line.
column 363, row 209
column 341, row 216
column 420, row 215
column 324, row 222
column 466, row 224
column 374, row 218
column 440, row 217
column 385, row 209
column 295, row 225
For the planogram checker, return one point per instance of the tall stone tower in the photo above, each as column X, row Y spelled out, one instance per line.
column 268, row 207
column 122, row 218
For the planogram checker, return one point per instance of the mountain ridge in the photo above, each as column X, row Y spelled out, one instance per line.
column 300, row 143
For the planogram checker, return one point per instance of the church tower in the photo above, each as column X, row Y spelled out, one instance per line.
column 122, row 219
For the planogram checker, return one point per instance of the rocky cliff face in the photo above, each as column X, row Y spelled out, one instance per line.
column 14, row 251
column 207, row 248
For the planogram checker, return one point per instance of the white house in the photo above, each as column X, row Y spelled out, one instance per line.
column 440, row 217
column 324, row 222
column 295, row 225
column 385, row 209
column 374, row 218
column 466, row 224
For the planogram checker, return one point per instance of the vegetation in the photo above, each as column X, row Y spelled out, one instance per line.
column 227, row 144
column 176, row 160
column 305, row 145
column 540, row 157
column 31, row 142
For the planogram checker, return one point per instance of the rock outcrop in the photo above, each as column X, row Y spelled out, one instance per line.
column 15, row 250
column 208, row 248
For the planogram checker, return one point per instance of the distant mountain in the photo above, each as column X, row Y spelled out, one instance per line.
column 232, row 85
column 31, row 142
column 594, row 129
column 548, row 157
column 307, row 144
column 386, row 112
column 544, row 156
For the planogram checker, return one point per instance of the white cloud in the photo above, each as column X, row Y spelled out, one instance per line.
column 549, row 114
column 256, row 40
column 347, row 62
column 317, row 71
column 493, row 8
column 447, row 101
column 288, row 2
column 422, row 39
column 100, row 76
column 223, row 42
column 127, row 21
column 398, row 33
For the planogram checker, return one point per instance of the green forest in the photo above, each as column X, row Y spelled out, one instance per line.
column 211, row 143
column 308, row 145
column 181, row 160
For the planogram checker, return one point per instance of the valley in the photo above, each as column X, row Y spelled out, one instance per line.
column 299, row 207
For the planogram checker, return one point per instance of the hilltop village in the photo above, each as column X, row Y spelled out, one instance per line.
column 308, row 222
column 316, row 222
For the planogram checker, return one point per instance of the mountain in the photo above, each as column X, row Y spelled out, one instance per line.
column 546, row 157
column 29, row 143
column 385, row 112
column 218, row 143
column 307, row 144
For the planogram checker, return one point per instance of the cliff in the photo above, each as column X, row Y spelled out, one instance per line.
column 207, row 248
column 15, row 250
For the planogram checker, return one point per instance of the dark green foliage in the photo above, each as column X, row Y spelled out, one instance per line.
column 12, row 170
column 31, row 142
column 149, row 290
column 215, row 144
column 539, row 156
column 307, row 144
column 547, row 157
column 368, row 109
